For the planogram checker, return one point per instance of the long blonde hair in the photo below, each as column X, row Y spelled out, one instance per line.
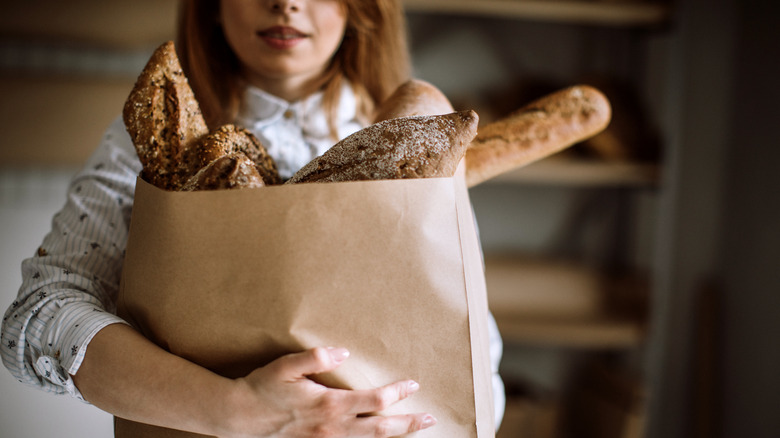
column 373, row 58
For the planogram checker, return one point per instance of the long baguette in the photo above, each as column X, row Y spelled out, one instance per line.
column 537, row 130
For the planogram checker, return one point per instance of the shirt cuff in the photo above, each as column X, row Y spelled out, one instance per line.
column 81, row 322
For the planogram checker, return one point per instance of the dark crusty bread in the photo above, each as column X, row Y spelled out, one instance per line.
column 231, row 171
column 535, row 131
column 407, row 147
column 228, row 139
column 164, row 120
column 414, row 98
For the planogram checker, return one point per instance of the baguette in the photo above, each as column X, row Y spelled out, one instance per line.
column 164, row 120
column 414, row 98
column 406, row 147
column 535, row 131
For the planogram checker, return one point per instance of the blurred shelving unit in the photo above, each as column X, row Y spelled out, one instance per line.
column 598, row 314
column 582, row 173
column 603, row 13
column 118, row 25
column 565, row 304
column 70, row 65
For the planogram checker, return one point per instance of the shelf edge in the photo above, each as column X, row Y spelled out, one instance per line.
column 581, row 173
column 611, row 14
column 589, row 334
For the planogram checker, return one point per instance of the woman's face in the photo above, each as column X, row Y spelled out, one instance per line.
column 283, row 40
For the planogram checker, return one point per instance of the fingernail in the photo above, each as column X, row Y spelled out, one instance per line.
column 339, row 354
column 413, row 386
column 428, row 421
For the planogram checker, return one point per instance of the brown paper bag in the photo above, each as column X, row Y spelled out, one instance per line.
column 390, row 270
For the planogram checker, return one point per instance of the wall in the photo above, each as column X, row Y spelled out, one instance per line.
column 719, row 357
column 750, row 279
column 28, row 200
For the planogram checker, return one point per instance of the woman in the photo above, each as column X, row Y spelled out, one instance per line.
column 299, row 74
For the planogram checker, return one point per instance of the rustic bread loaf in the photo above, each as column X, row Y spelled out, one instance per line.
column 414, row 98
column 407, row 147
column 535, row 131
column 163, row 119
column 230, row 171
column 228, row 139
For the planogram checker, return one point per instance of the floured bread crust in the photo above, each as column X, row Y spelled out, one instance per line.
column 407, row 147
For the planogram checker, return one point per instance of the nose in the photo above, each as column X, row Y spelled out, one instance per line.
column 284, row 6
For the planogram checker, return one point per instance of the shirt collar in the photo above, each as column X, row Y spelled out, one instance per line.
column 258, row 105
column 260, row 108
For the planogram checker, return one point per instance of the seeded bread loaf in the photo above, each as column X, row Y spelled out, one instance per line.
column 164, row 120
column 407, row 147
column 231, row 171
column 535, row 131
column 229, row 139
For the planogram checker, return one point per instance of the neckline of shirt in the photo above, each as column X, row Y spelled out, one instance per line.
column 260, row 108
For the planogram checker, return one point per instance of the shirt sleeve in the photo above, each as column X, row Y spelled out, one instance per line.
column 69, row 287
column 496, row 348
column 496, row 351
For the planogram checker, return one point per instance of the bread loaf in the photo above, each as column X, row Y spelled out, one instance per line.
column 414, row 98
column 231, row 171
column 164, row 120
column 407, row 147
column 535, row 131
column 229, row 139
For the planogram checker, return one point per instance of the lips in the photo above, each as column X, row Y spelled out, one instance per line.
column 282, row 37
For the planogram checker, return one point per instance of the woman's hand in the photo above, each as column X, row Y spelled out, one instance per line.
column 279, row 400
column 127, row 375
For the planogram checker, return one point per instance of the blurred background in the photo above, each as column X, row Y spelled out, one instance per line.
column 631, row 275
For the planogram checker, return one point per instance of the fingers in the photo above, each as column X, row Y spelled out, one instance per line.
column 313, row 361
column 378, row 399
column 377, row 426
column 344, row 409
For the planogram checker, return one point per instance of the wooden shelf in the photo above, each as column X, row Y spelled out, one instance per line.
column 527, row 417
column 74, row 111
column 121, row 24
column 559, row 303
column 591, row 334
column 582, row 173
column 607, row 13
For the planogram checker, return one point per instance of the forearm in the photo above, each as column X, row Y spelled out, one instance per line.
column 128, row 376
